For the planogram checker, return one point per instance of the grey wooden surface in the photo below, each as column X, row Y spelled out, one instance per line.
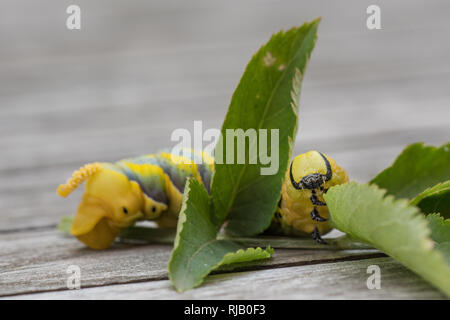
column 339, row 280
column 42, row 266
column 137, row 70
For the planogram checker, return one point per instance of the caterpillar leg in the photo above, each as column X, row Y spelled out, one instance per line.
column 316, row 216
column 315, row 201
column 316, row 236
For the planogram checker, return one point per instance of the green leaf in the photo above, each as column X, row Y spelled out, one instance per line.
column 444, row 248
column 440, row 233
column 197, row 251
column 417, row 168
column 392, row 226
column 267, row 97
column 440, row 228
column 435, row 199
column 147, row 235
column 65, row 224
column 339, row 243
column 233, row 260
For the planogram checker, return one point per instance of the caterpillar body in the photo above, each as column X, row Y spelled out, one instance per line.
column 302, row 209
column 118, row 194
column 150, row 187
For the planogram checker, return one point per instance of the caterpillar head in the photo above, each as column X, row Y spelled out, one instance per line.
column 314, row 170
column 110, row 203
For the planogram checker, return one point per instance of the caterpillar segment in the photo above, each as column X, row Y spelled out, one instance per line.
column 302, row 209
column 118, row 194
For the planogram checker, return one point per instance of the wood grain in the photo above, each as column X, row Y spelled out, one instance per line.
column 341, row 280
column 37, row 261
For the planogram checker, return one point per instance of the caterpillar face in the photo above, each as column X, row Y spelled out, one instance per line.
column 110, row 202
column 312, row 170
column 302, row 208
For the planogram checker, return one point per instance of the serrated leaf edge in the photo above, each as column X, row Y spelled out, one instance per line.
column 426, row 242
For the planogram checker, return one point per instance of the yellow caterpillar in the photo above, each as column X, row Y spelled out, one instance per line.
column 151, row 187
column 302, row 209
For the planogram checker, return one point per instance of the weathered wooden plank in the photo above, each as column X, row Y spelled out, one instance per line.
column 37, row 261
column 99, row 133
column 172, row 22
column 340, row 280
column 146, row 76
column 138, row 77
column 333, row 104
